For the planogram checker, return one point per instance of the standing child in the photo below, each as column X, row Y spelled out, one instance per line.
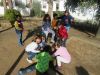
column 32, row 49
column 54, row 21
column 62, row 34
column 46, row 27
column 62, row 55
column 19, row 29
column 68, row 20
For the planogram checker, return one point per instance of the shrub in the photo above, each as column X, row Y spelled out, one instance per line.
column 36, row 9
column 59, row 13
column 11, row 14
column 1, row 3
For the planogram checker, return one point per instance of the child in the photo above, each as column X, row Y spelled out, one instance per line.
column 43, row 43
column 46, row 27
column 54, row 21
column 62, row 34
column 32, row 49
column 19, row 29
column 42, row 63
column 62, row 55
column 68, row 20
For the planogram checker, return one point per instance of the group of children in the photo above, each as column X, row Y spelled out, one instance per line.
column 37, row 50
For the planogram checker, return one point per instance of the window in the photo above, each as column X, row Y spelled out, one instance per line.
column 57, row 6
column 44, row 5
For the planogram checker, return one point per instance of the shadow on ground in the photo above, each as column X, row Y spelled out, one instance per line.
column 81, row 71
column 15, row 63
column 36, row 30
column 6, row 29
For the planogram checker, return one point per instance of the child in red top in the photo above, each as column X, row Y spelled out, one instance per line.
column 62, row 34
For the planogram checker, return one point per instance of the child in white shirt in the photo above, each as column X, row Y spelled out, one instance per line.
column 32, row 49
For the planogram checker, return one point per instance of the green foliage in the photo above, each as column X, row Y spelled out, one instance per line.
column 36, row 9
column 59, row 13
column 72, row 4
column 11, row 14
column 1, row 3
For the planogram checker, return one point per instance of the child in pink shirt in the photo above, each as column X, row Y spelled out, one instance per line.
column 62, row 55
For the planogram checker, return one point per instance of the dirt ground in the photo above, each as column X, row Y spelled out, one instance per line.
column 85, row 53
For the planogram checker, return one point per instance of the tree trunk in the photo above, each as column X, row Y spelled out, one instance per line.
column 10, row 4
column 31, row 2
column 5, row 6
column 50, row 8
column 98, row 19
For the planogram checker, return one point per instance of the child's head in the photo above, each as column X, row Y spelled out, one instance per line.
column 66, row 13
column 38, row 40
column 54, row 15
column 62, row 23
column 18, row 18
column 46, row 18
column 56, row 45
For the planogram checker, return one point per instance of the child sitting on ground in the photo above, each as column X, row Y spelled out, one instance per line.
column 62, row 34
column 61, row 54
column 41, row 65
column 46, row 27
column 32, row 49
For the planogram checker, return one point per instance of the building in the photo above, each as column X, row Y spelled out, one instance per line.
column 58, row 5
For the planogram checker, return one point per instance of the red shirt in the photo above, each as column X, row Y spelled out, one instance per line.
column 62, row 32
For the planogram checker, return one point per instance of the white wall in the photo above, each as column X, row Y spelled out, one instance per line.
column 1, row 11
column 61, row 5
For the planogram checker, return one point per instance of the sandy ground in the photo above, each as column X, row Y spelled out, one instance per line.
column 85, row 54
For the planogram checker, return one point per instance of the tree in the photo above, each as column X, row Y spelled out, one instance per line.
column 72, row 4
column 98, row 19
column 50, row 8
column 5, row 6
column 31, row 2
column 35, row 5
column 10, row 4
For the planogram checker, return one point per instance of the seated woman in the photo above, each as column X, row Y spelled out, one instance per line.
column 46, row 27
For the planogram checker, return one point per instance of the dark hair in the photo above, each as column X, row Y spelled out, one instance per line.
column 66, row 11
column 45, row 16
column 56, row 44
column 35, row 37
column 47, row 49
column 62, row 22
column 54, row 15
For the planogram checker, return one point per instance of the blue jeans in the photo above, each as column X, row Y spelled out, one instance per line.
column 68, row 27
column 31, row 55
column 26, row 70
column 19, row 36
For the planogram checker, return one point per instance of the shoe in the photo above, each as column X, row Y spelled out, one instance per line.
column 20, row 72
column 58, row 68
column 30, row 61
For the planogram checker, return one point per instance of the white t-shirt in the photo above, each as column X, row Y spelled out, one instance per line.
column 32, row 47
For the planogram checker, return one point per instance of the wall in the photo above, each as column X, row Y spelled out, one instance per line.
column 1, row 11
